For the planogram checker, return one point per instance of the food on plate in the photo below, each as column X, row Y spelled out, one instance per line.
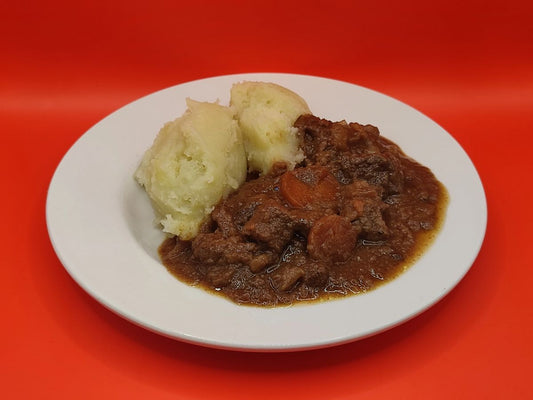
column 266, row 114
column 353, row 214
column 283, row 206
column 194, row 161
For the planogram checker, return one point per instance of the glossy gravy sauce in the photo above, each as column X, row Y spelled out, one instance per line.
column 354, row 214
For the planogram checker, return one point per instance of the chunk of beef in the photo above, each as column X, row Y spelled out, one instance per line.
column 351, row 151
column 270, row 225
column 220, row 275
column 316, row 275
column 212, row 248
column 323, row 140
column 379, row 169
column 371, row 223
column 364, row 207
column 223, row 219
column 284, row 279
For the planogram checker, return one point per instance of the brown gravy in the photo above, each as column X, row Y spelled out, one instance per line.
column 354, row 214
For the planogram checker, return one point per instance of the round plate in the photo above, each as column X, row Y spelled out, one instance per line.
column 101, row 225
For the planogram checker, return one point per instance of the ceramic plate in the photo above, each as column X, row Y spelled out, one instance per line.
column 101, row 225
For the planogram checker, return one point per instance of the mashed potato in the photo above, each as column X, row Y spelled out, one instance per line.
column 195, row 161
column 266, row 114
column 201, row 157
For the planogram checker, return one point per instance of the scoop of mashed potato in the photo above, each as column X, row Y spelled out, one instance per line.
column 194, row 162
column 266, row 114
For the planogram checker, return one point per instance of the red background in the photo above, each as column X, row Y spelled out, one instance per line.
column 65, row 65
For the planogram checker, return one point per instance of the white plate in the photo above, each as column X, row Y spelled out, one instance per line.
column 100, row 224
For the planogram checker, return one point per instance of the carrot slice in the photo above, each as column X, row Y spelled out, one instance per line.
column 310, row 187
column 332, row 238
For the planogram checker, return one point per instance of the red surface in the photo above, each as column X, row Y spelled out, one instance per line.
column 65, row 65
